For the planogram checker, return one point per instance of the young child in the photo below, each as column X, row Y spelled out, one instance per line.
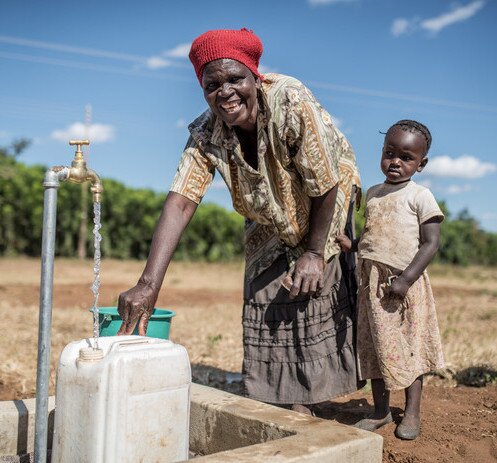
column 397, row 331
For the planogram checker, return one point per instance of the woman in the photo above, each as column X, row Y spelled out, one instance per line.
column 289, row 172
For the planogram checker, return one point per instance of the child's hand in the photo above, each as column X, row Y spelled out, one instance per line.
column 344, row 242
column 399, row 287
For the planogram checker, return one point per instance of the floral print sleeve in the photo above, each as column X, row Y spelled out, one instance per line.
column 312, row 138
column 194, row 174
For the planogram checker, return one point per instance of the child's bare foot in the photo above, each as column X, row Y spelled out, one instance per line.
column 372, row 423
column 408, row 428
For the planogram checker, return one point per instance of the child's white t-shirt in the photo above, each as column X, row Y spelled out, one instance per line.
column 394, row 213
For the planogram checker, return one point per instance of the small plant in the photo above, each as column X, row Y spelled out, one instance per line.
column 477, row 376
column 214, row 340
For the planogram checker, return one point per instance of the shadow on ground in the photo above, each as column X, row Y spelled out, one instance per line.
column 348, row 412
column 229, row 381
column 351, row 411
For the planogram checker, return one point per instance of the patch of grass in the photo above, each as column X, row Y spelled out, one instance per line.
column 476, row 376
column 489, row 292
column 487, row 316
column 367, row 387
column 214, row 340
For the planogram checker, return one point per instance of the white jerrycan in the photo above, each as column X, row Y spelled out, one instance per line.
column 127, row 402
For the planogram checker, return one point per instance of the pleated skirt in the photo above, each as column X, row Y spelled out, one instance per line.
column 299, row 351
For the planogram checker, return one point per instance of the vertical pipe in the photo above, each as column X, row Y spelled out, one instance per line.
column 51, row 184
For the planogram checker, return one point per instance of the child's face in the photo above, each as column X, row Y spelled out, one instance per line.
column 403, row 155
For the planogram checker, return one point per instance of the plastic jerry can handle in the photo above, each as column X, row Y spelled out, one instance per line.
column 142, row 340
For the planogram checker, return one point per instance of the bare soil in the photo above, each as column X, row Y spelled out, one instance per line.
column 459, row 423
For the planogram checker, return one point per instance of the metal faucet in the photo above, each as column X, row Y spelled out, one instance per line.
column 77, row 173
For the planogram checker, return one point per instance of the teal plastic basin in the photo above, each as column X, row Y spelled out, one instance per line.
column 158, row 325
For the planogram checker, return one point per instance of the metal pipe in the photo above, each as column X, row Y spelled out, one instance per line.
column 77, row 173
column 51, row 183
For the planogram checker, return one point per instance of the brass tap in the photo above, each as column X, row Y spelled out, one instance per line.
column 79, row 173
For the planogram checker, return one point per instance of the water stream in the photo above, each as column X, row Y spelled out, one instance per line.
column 96, row 271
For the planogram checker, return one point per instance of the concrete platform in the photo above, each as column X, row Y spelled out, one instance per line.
column 226, row 428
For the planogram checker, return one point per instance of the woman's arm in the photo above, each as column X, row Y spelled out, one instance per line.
column 430, row 239
column 307, row 275
column 136, row 304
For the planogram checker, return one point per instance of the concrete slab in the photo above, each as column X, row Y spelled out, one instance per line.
column 224, row 428
column 17, row 426
column 228, row 428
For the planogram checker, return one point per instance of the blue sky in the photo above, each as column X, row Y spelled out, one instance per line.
column 370, row 63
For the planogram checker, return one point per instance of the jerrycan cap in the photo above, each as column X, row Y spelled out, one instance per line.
column 89, row 354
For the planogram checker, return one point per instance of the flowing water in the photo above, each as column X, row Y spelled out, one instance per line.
column 96, row 271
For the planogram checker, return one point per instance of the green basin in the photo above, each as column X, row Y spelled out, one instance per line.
column 158, row 325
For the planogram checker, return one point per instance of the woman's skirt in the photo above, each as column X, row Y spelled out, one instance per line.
column 298, row 351
column 397, row 339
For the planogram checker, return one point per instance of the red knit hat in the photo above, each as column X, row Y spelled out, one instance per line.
column 241, row 45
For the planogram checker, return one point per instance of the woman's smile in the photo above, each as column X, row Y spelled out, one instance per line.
column 231, row 107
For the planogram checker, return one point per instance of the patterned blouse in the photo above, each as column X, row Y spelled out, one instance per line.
column 301, row 154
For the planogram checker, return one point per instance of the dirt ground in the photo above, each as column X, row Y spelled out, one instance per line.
column 459, row 423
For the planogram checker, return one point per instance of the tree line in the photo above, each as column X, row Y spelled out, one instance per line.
column 129, row 216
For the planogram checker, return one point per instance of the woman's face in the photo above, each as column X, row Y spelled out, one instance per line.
column 230, row 89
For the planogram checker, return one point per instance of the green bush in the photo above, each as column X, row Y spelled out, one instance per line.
column 128, row 219
column 129, row 216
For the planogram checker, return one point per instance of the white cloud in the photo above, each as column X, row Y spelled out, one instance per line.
column 180, row 51
column 97, row 133
column 456, row 15
column 3, row 134
column 403, row 97
column 181, row 123
column 458, row 189
column 340, row 125
column 263, row 69
column 157, row 62
column 489, row 216
column 402, row 26
column 69, row 49
column 337, row 122
column 461, row 167
column 327, row 2
column 152, row 62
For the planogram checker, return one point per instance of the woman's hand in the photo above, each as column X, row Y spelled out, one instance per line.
column 306, row 278
column 136, row 306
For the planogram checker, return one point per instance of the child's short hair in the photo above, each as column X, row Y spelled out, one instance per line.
column 414, row 126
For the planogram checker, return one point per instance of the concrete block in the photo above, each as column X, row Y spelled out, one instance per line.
column 225, row 428
column 17, row 426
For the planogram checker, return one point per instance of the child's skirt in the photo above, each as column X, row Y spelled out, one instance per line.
column 397, row 339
